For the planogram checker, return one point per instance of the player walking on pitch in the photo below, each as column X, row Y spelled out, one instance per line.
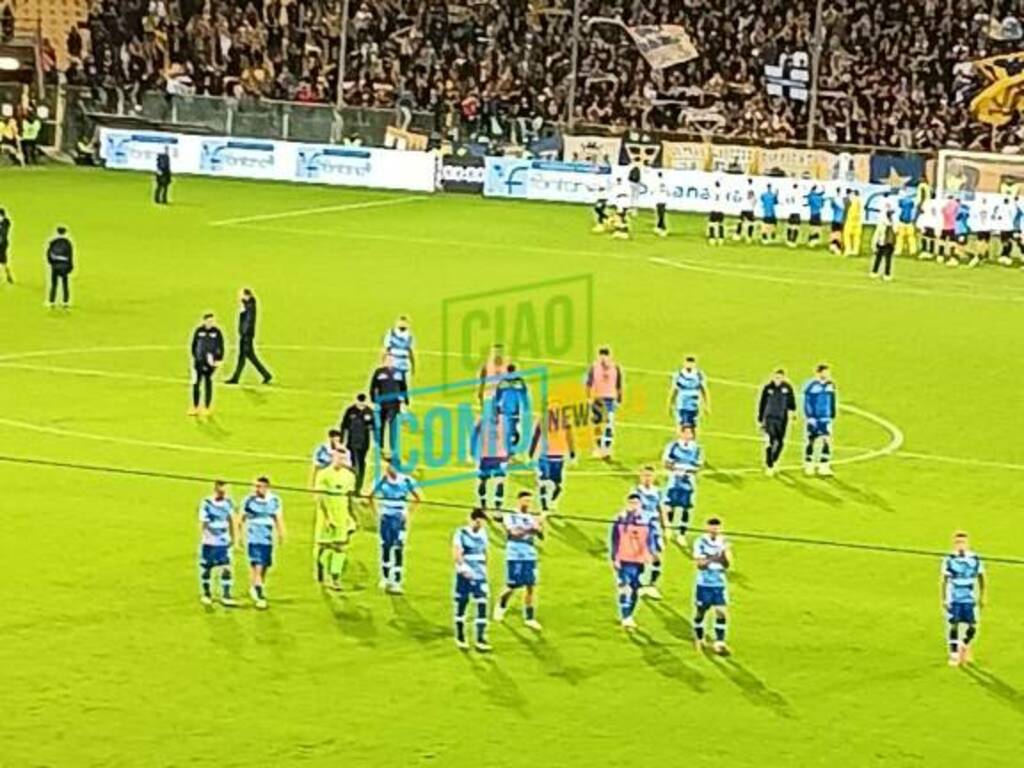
column 604, row 393
column 393, row 492
column 335, row 522
column 469, row 549
column 712, row 556
column 218, row 530
column 820, row 408
column 522, row 529
column 962, row 594
column 263, row 516
column 632, row 545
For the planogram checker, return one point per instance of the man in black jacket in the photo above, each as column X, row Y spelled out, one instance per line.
column 356, row 429
column 207, row 354
column 5, row 242
column 60, row 255
column 389, row 391
column 777, row 402
column 247, row 339
column 163, row 177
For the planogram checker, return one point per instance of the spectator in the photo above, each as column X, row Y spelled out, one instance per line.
column 7, row 23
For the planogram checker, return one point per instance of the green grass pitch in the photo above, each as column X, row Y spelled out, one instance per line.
column 107, row 658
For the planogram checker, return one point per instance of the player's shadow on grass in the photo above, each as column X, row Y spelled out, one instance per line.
column 753, row 688
column 660, row 659
column 862, row 495
column 573, row 536
column 677, row 625
column 254, row 395
column 355, row 621
column 497, row 686
column 722, row 478
column 996, row 687
column 212, row 429
column 411, row 622
column 549, row 656
column 812, row 488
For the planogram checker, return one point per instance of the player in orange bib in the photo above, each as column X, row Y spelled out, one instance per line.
column 604, row 392
column 491, row 373
column 632, row 544
column 551, row 444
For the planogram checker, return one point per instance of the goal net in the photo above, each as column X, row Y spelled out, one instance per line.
column 981, row 175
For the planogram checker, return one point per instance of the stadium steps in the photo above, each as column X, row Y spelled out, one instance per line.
column 57, row 17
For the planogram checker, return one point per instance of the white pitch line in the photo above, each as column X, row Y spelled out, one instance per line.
column 324, row 209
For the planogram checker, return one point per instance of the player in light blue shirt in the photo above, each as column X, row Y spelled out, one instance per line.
column 469, row 549
column 713, row 557
column 769, row 218
column 837, row 205
column 652, row 506
column 218, row 530
column 263, row 517
column 522, row 529
column 689, row 393
column 820, row 408
column 815, row 205
column 683, row 459
column 391, row 496
column 962, row 592
column 398, row 343
column 512, row 398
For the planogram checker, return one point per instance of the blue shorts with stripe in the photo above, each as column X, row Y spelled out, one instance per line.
column 961, row 613
column 214, row 555
column 818, row 428
column 470, row 589
column 392, row 530
column 550, row 468
column 628, row 574
column 710, row 597
column 261, row 554
column 687, row 417
column 682, row 496
column 492, row 466
column 521, row 573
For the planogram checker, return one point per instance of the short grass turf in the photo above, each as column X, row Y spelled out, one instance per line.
column 108, row 659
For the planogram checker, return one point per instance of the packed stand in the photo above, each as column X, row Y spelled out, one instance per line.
column 889, row 72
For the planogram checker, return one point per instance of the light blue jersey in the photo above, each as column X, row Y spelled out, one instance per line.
column 688, row 386
column 769, row 199
column 908, row 209
column 259, row 515
column 398, row 344
column 714, row 574
column 651, row 499
column 215, row 515
column 685, row 458
column 815, row 201
column 474, row 552
column 837, row 209
column 393, row 494
column 962, row 572
column 322, row 455
column 525, row 547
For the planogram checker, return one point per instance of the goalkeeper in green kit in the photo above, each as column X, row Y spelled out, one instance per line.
column 335, row 522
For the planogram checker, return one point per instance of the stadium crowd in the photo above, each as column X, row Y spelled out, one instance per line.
column 888, row 76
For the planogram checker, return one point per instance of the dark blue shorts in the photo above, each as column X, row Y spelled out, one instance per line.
column 550, row 468
column 475, row 589
column 710, row 597
column 215, row 555
column 961, row 613
column 261, row 554
column 521, row 573
column 492, row 466
column 602, row 408
column 819, row 428
column 687, row 417
column 392, row 530
column 629, row 574
column 681, row 496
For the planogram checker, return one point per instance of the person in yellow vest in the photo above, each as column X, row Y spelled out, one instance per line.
column 30, row 130
column 604, row 393
column 854, row 225
column 633, row 542
column 10, row 139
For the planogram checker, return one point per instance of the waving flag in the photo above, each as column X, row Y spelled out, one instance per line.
column 663, row 45
column 1003, row 94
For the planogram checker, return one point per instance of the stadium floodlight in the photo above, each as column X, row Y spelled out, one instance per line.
column 9, row 64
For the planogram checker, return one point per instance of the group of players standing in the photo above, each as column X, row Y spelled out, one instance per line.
column 911, row 221
column 638, row 534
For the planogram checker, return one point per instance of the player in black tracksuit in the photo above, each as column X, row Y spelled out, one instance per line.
column 60, row 255
column 163, row 178
column 356, row 430
column 776, row 403
column 389, row 390
column 247, row 339
column 207, row 354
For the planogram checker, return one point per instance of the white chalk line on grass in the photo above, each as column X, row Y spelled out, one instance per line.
column 324, row 209
column 856, row 283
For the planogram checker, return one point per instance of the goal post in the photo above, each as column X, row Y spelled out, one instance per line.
column 971, row 175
